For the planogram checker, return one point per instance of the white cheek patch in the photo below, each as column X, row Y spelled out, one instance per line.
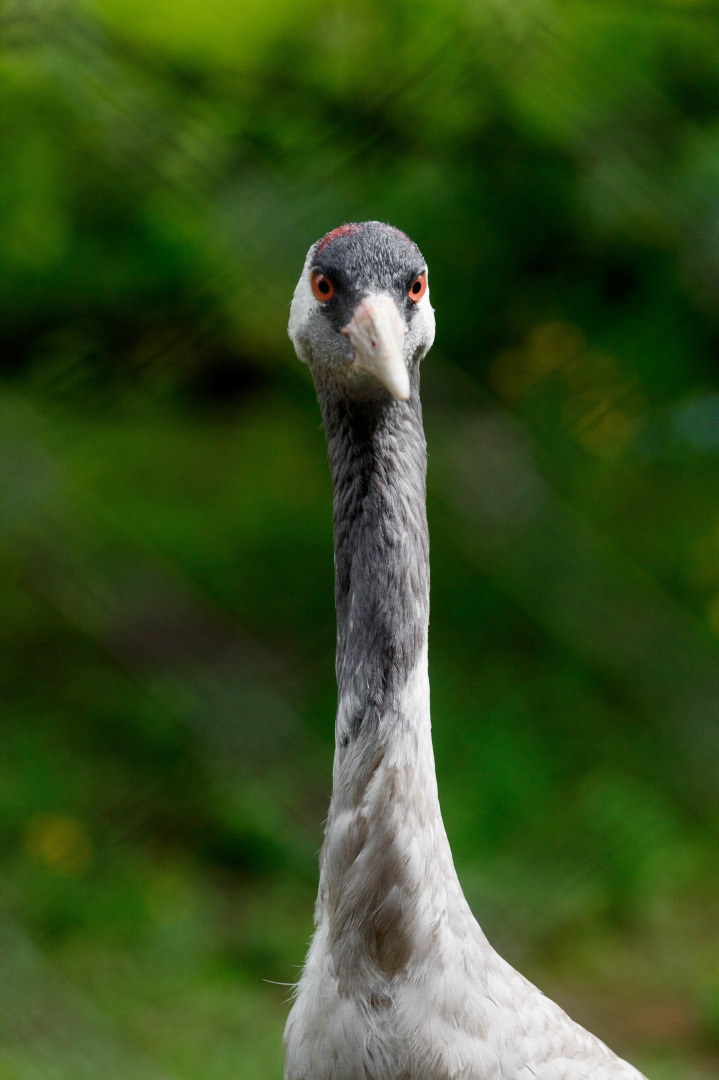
column 303, row 302
column 426, row 312
column 421, row 332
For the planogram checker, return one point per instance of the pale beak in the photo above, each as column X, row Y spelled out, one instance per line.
column 377, row 333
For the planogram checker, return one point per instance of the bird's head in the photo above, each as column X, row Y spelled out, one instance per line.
column 361, row 310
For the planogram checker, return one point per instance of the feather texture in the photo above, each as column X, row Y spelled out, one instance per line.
column 400, row 983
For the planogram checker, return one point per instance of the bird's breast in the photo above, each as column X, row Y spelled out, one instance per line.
column 385, row 860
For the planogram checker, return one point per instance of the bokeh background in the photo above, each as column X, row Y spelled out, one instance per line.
column 166, row 607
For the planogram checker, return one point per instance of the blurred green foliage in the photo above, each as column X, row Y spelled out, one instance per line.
column 165, row 553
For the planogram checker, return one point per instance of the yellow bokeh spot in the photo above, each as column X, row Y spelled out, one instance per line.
column 549, row 347
column 553, row 344
column 602, row 408
column 59, row 841
column 608, row 434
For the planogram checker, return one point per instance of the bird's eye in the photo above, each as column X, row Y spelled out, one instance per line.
column 418, row 287
column 322, row 287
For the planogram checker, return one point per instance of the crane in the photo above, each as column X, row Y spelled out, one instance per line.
column 400, row 983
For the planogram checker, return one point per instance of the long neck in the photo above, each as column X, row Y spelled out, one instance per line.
column 377, row 458
column 384, row 809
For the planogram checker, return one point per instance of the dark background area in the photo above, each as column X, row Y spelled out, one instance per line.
column 166, row 603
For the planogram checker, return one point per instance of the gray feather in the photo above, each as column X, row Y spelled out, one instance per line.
column 400, row 983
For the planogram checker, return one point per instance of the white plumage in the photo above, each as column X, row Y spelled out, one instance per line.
column 400, row 983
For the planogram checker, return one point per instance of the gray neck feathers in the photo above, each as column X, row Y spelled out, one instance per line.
column 377, row 456
column 384, row 807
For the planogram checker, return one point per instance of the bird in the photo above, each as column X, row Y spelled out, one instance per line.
column 400, row 982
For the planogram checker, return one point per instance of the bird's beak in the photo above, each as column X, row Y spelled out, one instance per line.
column 377, row 333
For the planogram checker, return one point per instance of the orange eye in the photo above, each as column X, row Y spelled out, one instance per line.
column 322, row 288
column 418, row 288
